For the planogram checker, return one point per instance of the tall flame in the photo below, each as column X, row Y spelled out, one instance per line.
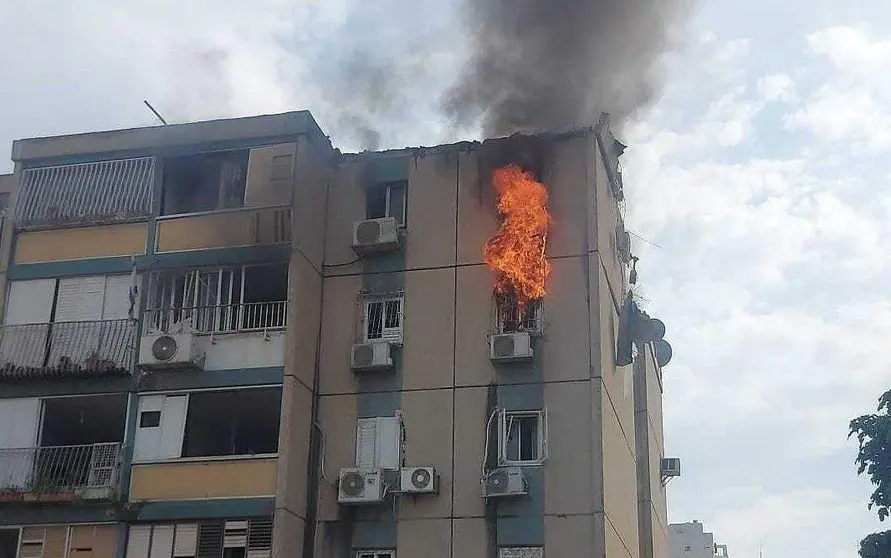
column 517, row 251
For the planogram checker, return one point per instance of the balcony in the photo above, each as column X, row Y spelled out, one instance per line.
column 227, row 228
column 221, row 318
column 66, row 349
column 60, row 473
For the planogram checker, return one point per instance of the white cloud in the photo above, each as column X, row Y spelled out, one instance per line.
column 777, row 87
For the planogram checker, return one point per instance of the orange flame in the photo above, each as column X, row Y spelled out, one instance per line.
column 517, row 251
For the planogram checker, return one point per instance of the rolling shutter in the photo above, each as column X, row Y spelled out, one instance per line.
column 138, row 541
column 185, row 544
column 162, row 541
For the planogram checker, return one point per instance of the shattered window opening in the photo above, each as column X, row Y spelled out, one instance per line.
column 387, row 200
column 236, row 422
column 204, row 182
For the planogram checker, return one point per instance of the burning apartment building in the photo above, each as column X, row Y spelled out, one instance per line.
column 228, row 339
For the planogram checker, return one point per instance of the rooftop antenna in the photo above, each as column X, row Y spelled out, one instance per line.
column 156, row 113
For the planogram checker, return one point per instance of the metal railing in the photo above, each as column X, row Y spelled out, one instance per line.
column 66, row 348
column 60, row 468
column 219, row 318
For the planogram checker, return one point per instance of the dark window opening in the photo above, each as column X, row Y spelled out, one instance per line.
column 150, row 419
column 523, row 437
column 241, row 422
column 9, row 543
column 205, row 182
column 387, row 200
column 70, row 421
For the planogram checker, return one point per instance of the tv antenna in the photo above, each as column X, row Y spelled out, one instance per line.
column 156, row 113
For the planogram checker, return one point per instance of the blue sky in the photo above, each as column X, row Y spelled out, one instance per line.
column 761, row 173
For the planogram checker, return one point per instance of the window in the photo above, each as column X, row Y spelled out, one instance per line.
column 521, row 552
column 687, row 548
column 375, row 554
column 249, row 298
column 383, row 319
column 387, row 200
column 523, row 436
column 512, row 316
column 9, row 543
column 239, row 422
column 204, row 182
column 208, row 423
column 208, row 539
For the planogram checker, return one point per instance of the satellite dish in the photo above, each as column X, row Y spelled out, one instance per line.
column 663, row 352
column 658, row 328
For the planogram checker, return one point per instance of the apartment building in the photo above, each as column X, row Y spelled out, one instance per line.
column 227, row 339
column 689, row 540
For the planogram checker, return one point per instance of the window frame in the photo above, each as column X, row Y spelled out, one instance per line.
column 387, row 188
column 536, row 320
column 393, row 334
column 504, row 550
column 375, row 553
column 504, row 424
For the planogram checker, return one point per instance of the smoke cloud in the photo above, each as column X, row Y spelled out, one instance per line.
column 556, row 64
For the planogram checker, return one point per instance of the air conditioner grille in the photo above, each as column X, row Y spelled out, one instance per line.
column 368, row 232
column 164, row 348
column 420, row 478
column 503, row 346
column 352, row 484
column 496, row 482
column 363, row 355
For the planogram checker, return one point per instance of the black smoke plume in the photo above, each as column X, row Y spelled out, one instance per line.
column 556, row 64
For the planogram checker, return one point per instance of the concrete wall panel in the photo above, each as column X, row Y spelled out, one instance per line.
column 470, row 439
column 565, row 352
column 573, row 536
column 237, row 478
column 337, row 416
column 304, row 313
column 470, row 538
column 429, row 334
column 432, row 216
column 473, row 321
column 339, row 331
column 615, row 546
column 80, row 243
column 424, row 537
column 346, row 205
column 287, row 535
column 224, row 230
column 310, row 201
column 428, row 420
column 570, row 485
column 244, row 350
column 566, row 176
column 293, row 442
column 477, row 218
column 619, row 479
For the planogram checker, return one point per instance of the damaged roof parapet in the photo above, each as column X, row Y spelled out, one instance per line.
column 153, row 139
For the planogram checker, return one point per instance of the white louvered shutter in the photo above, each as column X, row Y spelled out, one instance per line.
column 138, row 541
column 235, row 534
column 80, row 299
column 162, row 541
column 185, row 543
column 173, row 423
column 366, row 442
column 259, row 543
column 30, row 302
column 116, row 303
column 389, row 443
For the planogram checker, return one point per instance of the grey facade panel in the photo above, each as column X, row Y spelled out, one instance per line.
column 103, row 191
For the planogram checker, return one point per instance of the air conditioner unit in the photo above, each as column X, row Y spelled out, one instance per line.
column 167, row 350
column 670, row 467
column 375, row 235
column 360, row 486
column 510, row 347
column 505, row 481
column 374, row 355
column 417, row 480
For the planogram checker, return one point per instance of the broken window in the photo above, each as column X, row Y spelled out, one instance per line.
column 238, row 422
column 383, row 318
column 204, row 182
column 523, row 437
column 71, row 421
column 220, row 300
column 387, row 200
column 512, row 316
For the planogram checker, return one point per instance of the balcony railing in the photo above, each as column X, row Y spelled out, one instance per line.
column 59, row 470
column 220, row 318
column 65, row 349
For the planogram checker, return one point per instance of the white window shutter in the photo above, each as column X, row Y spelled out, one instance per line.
column 138, row 541
column 185, row 543
column 30, row 302
column 162, row 541
column 502, row 436
column 366, row 442
column 147, row 443
column 543, row 434
column 173, row 423
column 388, row 452
column 235, row 534
column 80, row 299
column 117, row 297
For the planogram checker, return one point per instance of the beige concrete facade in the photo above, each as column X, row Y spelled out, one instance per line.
column 587, row 502
column 228, row 478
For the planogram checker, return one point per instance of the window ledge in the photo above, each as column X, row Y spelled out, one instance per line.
column 172, row 216
column 522, row 463
column 209, row 458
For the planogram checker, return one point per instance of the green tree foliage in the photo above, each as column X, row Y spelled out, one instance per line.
column 874, row 458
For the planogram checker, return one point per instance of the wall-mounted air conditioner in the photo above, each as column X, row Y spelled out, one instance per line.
column 505, row 481
column 374, row 355
column 360, row 486
column 163, row 350
column 510, row 347
column 417, row 480
column 375, row 235
column 670, row 467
